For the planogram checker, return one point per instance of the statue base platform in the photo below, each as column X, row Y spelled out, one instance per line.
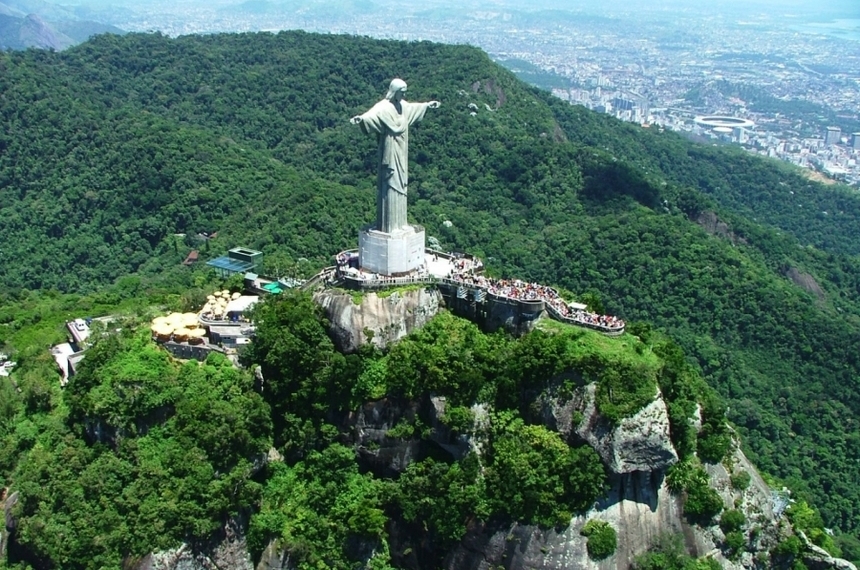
column 396, row 254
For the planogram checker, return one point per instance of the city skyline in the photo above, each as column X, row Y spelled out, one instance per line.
column 793, row 69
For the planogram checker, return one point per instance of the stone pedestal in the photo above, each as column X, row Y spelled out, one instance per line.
column 394, row 254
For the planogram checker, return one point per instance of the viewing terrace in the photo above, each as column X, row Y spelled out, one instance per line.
column 464, row 272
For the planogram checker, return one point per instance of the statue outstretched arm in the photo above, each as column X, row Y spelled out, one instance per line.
column 433, row 104
column 355, row 120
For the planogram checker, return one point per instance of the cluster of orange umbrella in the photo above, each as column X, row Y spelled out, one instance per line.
column 182, row 327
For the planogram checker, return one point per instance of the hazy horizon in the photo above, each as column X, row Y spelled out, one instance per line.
column 842, row 8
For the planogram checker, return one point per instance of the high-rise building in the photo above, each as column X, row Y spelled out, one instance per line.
column 855, row 140
column 622, row 104
column 834, row 134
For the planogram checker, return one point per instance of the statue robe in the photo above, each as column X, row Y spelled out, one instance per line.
column 392, row 131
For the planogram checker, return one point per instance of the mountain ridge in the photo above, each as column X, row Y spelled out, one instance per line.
column 21, row 28
column 144, row 137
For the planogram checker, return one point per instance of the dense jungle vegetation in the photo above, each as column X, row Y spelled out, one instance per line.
column 117, row 153
column 140, row 451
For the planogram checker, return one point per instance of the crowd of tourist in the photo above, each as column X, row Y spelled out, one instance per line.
column 584, row 317
column 524, row 291
column 465, row 265
column 466, row 270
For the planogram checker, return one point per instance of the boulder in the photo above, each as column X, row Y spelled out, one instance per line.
column 458, row 445
column 638, row 443
column 227, row 549
column 381, row 320
column 816, row 558
column 275, row 557
column 378, row 450
column 9, row 521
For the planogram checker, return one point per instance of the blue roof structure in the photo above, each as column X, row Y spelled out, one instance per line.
column 233, row 265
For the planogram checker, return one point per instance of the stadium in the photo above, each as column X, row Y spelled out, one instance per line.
column 723, row 122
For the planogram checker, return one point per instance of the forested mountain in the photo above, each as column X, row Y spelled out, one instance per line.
column 44, row 26
column 112, row 147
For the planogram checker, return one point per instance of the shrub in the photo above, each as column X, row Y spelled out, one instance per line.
column 535, row 477
column 806, row 518
column 732, row 521
column 679, row 475
column 740, row 480
column 459, row 418
column 714, row 441
column 791, row 546
column 707, row 564
column 735, row 541
column 602, row 539
column 702, row 501
column 669, row 553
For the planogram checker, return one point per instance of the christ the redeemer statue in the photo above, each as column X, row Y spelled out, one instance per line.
column 390, row 119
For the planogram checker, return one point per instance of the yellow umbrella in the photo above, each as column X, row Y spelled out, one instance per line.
column 195, row 336
column 162, row 331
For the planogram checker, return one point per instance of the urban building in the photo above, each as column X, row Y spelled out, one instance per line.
column 833, row 136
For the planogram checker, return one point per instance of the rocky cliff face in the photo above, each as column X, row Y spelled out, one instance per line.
column 380, row 320
column 637, row 452
column 638, row 443
column 640, row 508
column 35, row 32
column 228, row 549
column 8, row 520
column 639, row 505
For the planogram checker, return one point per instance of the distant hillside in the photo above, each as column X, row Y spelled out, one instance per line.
column 30, row 31
column 51, row 27
column 307, row 8
column 112, row 147
column 82, row 30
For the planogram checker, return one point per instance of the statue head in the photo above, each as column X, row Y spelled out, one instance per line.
column 397, row 86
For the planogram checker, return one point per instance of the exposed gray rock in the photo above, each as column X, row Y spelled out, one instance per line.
column 805, row 281
column 388, row 454
column 10, row 522
column 387, row 319
column 273, row 455
column 641, row 509
column 228, row 549
column 816, row 558
column 696, row 420
column 638, row 443
column 458, row 445
column 275, row 557
column 715, row 226
column 377, row 449
column 638, row 507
